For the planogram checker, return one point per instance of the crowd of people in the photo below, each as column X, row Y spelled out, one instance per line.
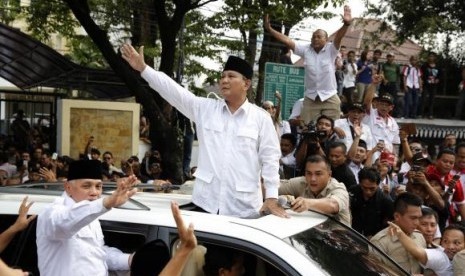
column 42, row 166
column 349, row 160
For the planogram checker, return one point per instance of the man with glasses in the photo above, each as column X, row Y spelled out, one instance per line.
column 108, row 163
column 281, row 126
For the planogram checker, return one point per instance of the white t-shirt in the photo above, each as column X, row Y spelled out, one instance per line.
column 438, row 262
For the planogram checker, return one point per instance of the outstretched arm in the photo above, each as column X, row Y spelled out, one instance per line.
column 279, row 36
column 347, row 19
column 371, row 90
column 410, row 246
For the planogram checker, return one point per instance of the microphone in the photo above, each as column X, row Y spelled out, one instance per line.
column 283, row 202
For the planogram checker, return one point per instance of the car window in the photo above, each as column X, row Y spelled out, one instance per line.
column 255, row 262
column 127, row 237
column 331, row 242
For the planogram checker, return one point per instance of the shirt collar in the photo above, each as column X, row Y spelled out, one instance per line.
column 246, row 105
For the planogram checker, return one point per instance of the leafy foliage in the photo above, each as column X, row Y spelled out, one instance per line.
column 9, row 10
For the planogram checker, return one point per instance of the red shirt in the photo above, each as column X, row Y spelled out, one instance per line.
column 458, row 196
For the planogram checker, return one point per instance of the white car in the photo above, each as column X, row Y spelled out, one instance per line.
column 307, row 243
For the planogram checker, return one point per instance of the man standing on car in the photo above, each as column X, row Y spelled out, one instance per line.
column 407, row 213
column 236, row 143
column 318, row 191
column 69, row 236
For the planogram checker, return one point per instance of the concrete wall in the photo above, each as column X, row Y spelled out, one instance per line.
column 114, row 125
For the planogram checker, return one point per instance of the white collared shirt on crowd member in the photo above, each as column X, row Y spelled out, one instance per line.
column 366, row 136
column 282, row 127
column 350, row 74
column 389, row 132
column 235, row 150
column 320, row 77
column 355, row 169
column 297, row 109
column 413, row 75
column 70, row 240
column 289, row 160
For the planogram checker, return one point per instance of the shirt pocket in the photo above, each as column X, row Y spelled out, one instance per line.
column 247, row 139
column 247, row 186
column 203, row 175
column 326, row 66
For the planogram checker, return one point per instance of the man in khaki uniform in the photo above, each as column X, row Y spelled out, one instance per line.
column 407, row 213
column 318, row 191
column 459, row 263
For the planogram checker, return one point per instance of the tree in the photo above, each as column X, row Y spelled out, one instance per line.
column 423, row 20
column 149, row 23
column 9, row 10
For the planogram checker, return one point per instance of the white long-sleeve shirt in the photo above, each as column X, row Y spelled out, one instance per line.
column 345, row 125
column 70, row 240
column 235, row 150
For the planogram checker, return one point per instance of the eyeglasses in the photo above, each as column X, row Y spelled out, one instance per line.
column 415, row 149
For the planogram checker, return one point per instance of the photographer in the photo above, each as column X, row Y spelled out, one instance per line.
column 316, row 139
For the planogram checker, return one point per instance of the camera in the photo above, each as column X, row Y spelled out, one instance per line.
column 311, row 134
column 416, row 168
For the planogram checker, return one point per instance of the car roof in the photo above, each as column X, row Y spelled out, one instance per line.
column 158, row 205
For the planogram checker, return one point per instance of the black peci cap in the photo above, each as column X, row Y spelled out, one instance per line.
column 239, row 65
column 85, row 169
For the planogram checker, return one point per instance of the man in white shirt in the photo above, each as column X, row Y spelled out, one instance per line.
column 350, row 73
column 237, row 141
column 413, row 86
column 69, row 236
column 383, row 127
column 319, row 61
column 355, row 115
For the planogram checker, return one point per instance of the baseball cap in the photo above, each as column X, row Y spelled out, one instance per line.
column 386, row 97
column 356, row 106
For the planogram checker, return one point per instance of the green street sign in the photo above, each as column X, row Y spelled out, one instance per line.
column 287, row 80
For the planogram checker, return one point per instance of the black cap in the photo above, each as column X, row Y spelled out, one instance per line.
column 356, row 106
column 386, row 97
column 362, row 143
column 85, row 169
column 420, row 158
column 239, row 65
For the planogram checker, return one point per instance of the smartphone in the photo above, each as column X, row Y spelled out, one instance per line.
column 54, row 156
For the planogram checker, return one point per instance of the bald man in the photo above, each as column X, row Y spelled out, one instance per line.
column 319, row 61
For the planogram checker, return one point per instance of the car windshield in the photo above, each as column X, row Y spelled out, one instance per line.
column 341, row 251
